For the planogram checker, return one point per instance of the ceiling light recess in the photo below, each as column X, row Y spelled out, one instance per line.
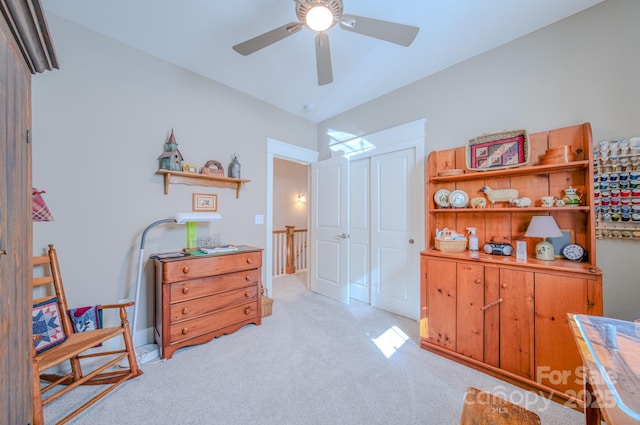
column 319, row 18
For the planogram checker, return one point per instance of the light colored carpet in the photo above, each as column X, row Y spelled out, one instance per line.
column 314, row 361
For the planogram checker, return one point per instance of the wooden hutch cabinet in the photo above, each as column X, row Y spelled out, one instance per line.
column 495, row 313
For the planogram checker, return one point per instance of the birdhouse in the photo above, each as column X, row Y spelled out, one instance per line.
column 171, row 158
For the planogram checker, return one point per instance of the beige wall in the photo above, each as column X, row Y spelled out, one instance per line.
column 585, row 68
column 99, row 125
column 101, row 121
column 289, row 180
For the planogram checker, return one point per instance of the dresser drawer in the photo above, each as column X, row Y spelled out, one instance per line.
column 204, row 305
column 190, row 289
column 211, row 322
column 174, row 271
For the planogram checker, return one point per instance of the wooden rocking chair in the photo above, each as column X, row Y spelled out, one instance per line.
column 75, row 347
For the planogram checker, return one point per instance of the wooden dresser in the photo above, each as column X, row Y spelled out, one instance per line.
column 204, row 297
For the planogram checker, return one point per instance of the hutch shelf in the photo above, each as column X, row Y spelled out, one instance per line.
column 179, row 177
column 504, row 316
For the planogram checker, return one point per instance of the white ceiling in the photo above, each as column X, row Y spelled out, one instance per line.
column 198, row 35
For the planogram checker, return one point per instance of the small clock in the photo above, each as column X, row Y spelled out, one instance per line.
column 574, row 252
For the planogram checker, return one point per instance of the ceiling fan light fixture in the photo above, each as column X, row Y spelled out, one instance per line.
column 321, row 15
column 319, row 18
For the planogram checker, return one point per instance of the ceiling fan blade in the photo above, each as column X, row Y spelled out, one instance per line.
column 383, row 30
column 267, row 39
column 323, row 59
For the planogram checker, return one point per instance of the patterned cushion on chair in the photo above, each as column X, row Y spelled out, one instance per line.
column 47, row 324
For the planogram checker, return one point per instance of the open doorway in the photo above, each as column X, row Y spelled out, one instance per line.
column 283, row 158
column 290, row 217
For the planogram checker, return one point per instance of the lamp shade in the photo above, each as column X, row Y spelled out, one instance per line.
column 543, row 226
column 184, row 217
column 39, row 209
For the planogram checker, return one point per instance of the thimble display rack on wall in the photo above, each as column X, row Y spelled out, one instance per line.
column 616, row 181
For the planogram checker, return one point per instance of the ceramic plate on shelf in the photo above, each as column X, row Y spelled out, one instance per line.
column 442, row 198
column 459, row 199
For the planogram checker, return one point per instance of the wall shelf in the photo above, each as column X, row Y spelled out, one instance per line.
column 192, row 179
column 510, row 210
column 512, row 172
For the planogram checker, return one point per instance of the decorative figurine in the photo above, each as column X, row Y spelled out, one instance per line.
column 234, row 167
column 171, row 158
column 499, row 195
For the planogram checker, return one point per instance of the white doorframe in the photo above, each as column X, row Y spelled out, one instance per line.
column 282, row 150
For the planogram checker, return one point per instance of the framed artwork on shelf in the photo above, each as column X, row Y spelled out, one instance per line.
column 560, row 242
column 189, row 168
column 205, row 202
column 498, row 151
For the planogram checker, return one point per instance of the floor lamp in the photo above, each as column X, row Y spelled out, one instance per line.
column 180, row 218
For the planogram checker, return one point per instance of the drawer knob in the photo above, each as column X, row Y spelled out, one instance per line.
column 478, row 281
column 186, row 269
column 247, row 278
column 185, row 311
column 185, row 331
column 247, row 310
column 504, row 285
column 249, row 261
column 246, row 294
column 185, row 290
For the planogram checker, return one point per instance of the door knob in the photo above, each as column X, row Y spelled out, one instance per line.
column 342, row 236
column 411, row 241
column 3, row 252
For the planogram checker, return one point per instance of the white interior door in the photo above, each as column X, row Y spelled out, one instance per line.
column 359, row 264
column 330, row 228
column 394, row 253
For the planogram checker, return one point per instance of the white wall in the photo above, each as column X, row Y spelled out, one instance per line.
column 585, row 68
column 99, row 125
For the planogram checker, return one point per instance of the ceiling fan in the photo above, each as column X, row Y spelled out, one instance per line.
column 321, row 15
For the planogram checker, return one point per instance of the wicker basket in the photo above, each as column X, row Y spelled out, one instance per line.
column 451, row 246
column 267, row 303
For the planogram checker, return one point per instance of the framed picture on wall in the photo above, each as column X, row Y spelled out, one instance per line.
column 205, row 202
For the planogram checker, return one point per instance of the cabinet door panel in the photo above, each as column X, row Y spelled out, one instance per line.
column 558, row 363
column 492, row 316
column 470, row 298
column 441, row 303
column 516, row 322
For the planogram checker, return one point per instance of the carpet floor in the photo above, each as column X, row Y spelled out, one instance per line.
column 313, row 361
